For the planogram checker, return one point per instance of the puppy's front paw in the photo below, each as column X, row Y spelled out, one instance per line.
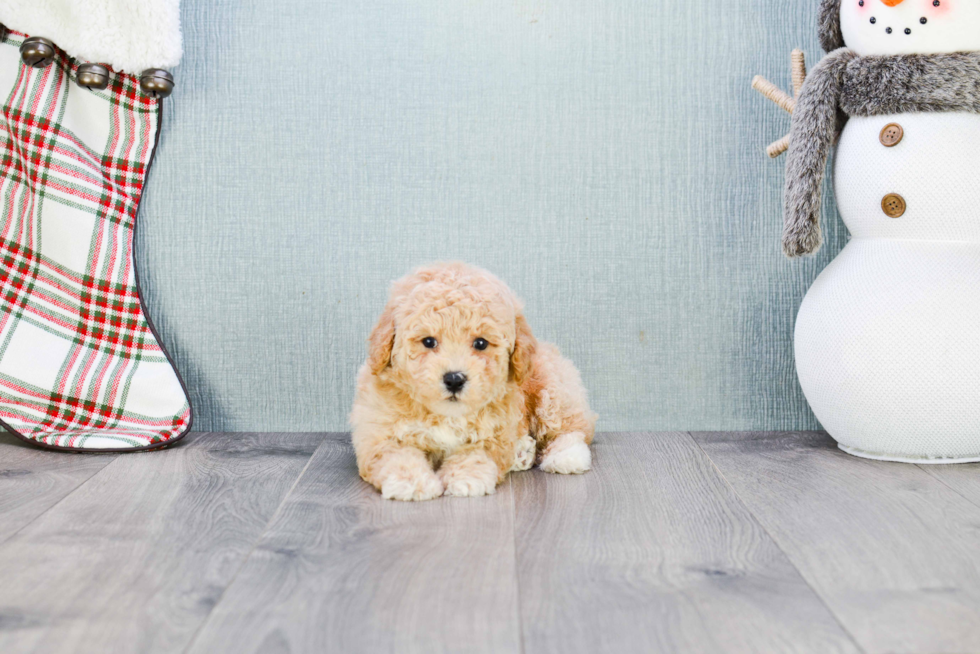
column 567, row 455
column 524, row 453
column 469, row 477
column 460, row 485
column 411, row 487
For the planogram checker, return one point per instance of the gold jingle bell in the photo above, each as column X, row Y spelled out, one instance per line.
column 156, row 83
column 37, row 52
column 93, row 76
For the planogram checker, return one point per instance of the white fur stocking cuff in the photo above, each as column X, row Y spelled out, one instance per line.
column 129, row 35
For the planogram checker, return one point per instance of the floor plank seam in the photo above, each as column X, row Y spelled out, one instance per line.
column 255, row 544
column 779, row 545
column 65, row 497
column 926, row 469
column 517, row 568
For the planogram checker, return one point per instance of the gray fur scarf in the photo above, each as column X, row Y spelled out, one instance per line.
column 844, row 84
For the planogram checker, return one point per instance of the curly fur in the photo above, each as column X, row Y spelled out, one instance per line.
column 414, row 440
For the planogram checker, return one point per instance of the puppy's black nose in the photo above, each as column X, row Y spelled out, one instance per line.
column 454, row 381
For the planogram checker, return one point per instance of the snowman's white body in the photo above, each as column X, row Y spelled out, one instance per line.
column 888, row 337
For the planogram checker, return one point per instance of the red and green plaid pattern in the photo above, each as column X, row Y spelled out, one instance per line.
column 80, row 366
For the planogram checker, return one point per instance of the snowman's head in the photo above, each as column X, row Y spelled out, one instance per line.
column 890, row 27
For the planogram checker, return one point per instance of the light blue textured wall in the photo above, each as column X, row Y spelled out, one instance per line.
column 605, row 157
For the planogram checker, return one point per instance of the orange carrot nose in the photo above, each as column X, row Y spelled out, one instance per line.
column 893, row 3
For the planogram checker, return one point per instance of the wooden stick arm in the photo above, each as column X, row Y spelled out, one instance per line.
column 777, row 148
column 798, row 65
column 773, row 93
column 780, row 98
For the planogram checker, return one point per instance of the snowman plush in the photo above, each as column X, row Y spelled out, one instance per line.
column 888, row 337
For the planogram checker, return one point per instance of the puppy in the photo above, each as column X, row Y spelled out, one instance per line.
column 456, row 391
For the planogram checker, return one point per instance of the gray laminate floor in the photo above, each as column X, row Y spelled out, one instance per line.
column 675, row 542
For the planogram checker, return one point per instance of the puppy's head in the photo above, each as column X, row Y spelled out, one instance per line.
column 452, row 337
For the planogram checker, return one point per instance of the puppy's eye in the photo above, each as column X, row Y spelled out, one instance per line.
column 480, row 344
column 429, row 342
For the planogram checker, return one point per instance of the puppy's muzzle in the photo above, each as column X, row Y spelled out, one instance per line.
column 454, row 381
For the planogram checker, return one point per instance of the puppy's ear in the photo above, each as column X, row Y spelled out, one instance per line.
column 525, row 343
column 381, row 341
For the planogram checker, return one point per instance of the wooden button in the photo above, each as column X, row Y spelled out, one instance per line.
column 891, row 135
column 893, row 205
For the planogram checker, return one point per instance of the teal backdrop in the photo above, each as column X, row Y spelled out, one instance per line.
column 605, row 157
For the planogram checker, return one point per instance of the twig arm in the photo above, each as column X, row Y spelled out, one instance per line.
column 777, row 148
column 782, row 99
column 798, row 65
column 773, row 93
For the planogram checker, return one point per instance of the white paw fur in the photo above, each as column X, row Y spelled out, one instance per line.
column 469, row 478
column 411, row 487
column 526, row 450
column 567, row 455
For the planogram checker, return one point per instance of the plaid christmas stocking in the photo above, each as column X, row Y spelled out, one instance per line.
column 80, row 365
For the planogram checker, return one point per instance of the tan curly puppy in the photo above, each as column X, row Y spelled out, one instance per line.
column 456, row 391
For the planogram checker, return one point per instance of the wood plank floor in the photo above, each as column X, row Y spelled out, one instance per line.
column 892, row 550
column 674, row 542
